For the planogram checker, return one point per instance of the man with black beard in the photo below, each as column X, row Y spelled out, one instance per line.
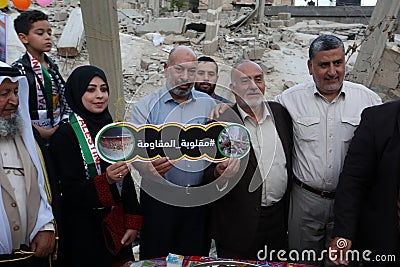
column 207, row 77
column 26, row 219
column 168, row 227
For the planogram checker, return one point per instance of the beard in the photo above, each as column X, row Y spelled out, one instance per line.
column 181, row 92
column 250, row 101
column 11, row 127
column 200, row 86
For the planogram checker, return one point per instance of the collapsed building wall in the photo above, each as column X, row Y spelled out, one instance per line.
column 387, row 76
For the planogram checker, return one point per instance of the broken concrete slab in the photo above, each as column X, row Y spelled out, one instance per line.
column 175, row 39
column 253, row 53
column 387, row 74
column 60, row 16
column 196, row 41
column 14, row 46
column 174, row 25
column 73, row 36
column 284, row 15
column 276, row 23
column 190, row 34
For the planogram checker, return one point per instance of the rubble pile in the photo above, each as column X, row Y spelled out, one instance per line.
column 278, row 44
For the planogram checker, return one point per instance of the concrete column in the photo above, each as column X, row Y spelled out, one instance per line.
column 381, row 24
column 155, row 6
column 260, row 11
column 100, row 20
column 212, row 27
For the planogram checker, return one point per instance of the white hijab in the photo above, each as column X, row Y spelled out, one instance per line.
column 45, row 213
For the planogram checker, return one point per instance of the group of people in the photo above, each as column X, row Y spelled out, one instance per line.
column 320, row 169
column 61, row 203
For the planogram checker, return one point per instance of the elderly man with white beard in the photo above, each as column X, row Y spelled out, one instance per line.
column 26, row 220
column 249, row 222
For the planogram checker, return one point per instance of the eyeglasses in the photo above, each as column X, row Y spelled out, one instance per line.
column 15, row 171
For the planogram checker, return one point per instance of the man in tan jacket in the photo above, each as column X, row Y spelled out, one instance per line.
column 26, row 219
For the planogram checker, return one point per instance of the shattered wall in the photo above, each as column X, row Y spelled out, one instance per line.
column 387, row 76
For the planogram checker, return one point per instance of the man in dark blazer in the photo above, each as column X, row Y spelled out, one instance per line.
column 366, row 204
column 252, row 216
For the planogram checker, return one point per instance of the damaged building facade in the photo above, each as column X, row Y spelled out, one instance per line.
column 278, row 40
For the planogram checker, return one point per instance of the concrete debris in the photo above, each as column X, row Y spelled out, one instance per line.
column 60, row 16
column 163, row 25
column 73, row 35
column 176, row 39
column 196, row 41
column 278, row 43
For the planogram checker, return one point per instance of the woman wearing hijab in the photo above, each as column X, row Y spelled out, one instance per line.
column 99, row 220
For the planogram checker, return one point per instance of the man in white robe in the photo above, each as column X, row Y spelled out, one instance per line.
column 26, row 220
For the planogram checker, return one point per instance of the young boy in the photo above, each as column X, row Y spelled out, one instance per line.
column 47, row 104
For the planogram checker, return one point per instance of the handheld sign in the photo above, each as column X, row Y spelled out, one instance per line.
column 215, row 142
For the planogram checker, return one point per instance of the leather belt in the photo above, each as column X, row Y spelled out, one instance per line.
column 321, row 193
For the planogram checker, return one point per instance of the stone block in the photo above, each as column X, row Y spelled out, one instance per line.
column 267, row 67
column 289, row 22
column 284, row 15
column 196, row 41
column 254, row 53
column 275, row 47
column 145, row 63
column 210, row 47
column 191, row 34
column 276, row 37
column 175, row 39
column 212, row 16
column 276, row 23
column 164, row 25
column 286, row 37
column 211, row 31
column 72, row 38
column 60, row 16
column 227, row 7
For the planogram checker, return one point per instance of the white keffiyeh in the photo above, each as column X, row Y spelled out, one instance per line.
column 45, row 213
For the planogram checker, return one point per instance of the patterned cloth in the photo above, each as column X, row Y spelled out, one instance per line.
column 24, row 64
column 191, row 261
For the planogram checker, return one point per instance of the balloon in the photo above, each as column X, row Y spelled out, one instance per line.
column 3, row 3
column 21, row 4
column 44, row 2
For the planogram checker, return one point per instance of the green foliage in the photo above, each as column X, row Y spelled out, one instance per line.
column 178, row 4
column 163, row 11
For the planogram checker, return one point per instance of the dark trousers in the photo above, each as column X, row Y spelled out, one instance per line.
column 271, row 234
column 170, row 229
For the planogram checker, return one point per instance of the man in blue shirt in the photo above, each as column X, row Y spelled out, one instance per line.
column 169, row 226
